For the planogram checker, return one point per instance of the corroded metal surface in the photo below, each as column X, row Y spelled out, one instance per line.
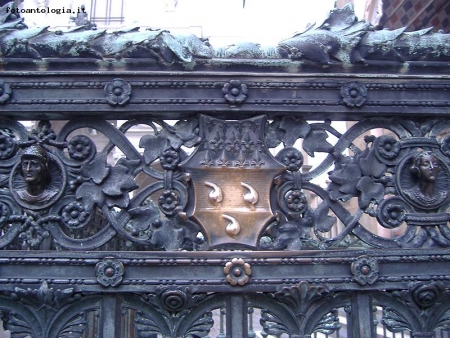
column 219, row 208
column 341, row 39
column 228, row 189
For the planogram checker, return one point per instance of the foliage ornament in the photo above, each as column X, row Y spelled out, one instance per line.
column 8, row 144
column 299, row 297
column 237, row 272
column 109, row 272
column 45, row 296
column 5, row 92
column 32, row 231
column 118, row 92
column 174, row 304
column 365, row 270
column 104, row 184
column 424, row 300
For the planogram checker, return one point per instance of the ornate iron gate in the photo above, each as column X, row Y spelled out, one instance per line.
column 217, row 212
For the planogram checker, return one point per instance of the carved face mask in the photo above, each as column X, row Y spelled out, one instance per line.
column 32, row 169
column 429, row 168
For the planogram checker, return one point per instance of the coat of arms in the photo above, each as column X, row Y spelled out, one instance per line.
column 232, row 174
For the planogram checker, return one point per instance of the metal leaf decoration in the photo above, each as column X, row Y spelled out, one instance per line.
column 323, row 220
column 145, row 325
column 444, row 322
column 295, row 128
column 301, row 296
column 316, row 141
column 274, row 133
column 394, row 321
column 271, row 324
column 18, row 327
column 153, row 146
column 329, row 323
column 75, row 327
column 201, row 327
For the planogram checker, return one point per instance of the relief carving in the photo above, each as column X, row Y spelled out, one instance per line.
column 38, row 178
column 232, row 175
column 251, row 196
column 422, row 186
column 216, row 195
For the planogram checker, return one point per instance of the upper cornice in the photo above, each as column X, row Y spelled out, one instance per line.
column 341, row 44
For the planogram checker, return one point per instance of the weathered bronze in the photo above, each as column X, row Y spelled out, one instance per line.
column 37, row 186
column 231, row 173
column 218, row 210
column 426, row 191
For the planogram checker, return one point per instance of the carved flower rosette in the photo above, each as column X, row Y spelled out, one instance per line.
column 235, row 92
column 74, row 215
column 426, row 295
column 354, row 94
column 118, row 92
column 109, row 272
column 392, row 212
column 81, row 148
column 8, row 145
column 237, row 272
column 365, row 270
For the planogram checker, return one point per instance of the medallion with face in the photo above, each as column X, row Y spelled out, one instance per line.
column 423, row 180
column 37, row 179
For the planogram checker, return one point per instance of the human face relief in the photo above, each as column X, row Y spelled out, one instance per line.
column 429, row 167
column 32, row 169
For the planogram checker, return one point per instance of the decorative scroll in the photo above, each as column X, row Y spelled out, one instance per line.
column 215, row 183
column 341, row 38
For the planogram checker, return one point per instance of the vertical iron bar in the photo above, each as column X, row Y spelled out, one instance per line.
column 236, row 317
column 361, row 317
column 110, row 317
column 251, row 332
column 221, row 330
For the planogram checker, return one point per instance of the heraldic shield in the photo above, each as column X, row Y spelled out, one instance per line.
column 232, row 175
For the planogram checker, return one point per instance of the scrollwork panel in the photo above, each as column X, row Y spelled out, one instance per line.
column 195, row 184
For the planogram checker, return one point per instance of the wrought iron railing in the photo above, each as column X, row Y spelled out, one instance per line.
column 238, row 203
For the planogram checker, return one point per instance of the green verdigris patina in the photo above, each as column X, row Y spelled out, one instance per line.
column 341, row 40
